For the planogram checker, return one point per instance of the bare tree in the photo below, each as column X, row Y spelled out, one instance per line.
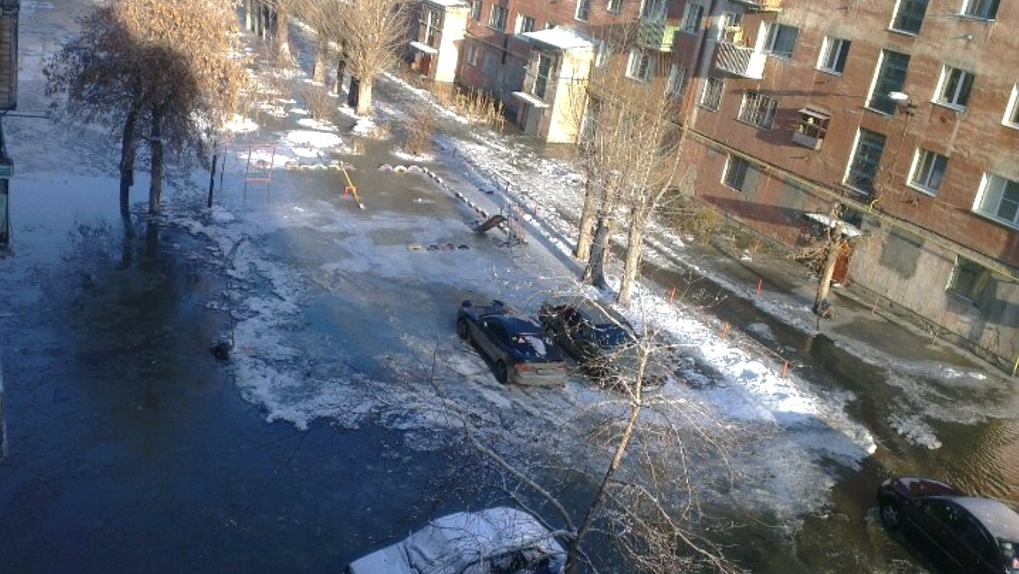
column 631, row 154
column 321, row 15
column 373, row 33
column 167, row 67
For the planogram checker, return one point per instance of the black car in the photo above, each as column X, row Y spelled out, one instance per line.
column 961, row 533
column 601, row 340
column 515, row 344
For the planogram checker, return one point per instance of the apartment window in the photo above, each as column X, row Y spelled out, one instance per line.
column 476, row 10
column 864, row 163
column 601, row 53
column 739, row 174
column 758, row 109
column 653, row 10
column 983, row 9
column 692, row 18
column 583, row 10
column 640, row 66
column 497, row 19
column 472, row 54
column 677, row 80
column 431, row 24
column 891, row 77
column 999, row 199
column 524, row 24
column 781, row 40
column 928, row 171
column 711, row 98
column 909, row 16
column 969, row 279
column 1011, row 118
column 615, row 6
column 544, row 72
column 955, row 87
column 834, row 52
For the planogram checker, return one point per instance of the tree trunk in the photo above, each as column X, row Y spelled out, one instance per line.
column 341, row 71
column 364, row 98
column 573, row 548
column 156, row 149
column 586, row 225
column 321, row 57
column 127, row 153
column 631, row 267
column 831, row 258
column 594, row 272
column 281, row 34
column 249, row 22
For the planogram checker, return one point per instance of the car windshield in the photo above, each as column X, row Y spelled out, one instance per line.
column 531, row 345
column 611, row 335
column 1008, row 555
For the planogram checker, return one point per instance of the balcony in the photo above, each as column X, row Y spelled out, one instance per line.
column 740, row 60
column 654, row 34
column 761, row 5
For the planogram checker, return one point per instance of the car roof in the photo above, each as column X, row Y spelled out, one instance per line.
column 449, row 544
column 999, row 519
column 596, row 312
column 516, row 325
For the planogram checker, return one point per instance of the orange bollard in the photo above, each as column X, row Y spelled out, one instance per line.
column 672, row 294
column 725, row 330
column 760, row 283
column 873, row 310
column 785, row 369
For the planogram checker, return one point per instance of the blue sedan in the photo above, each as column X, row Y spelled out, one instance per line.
column 515, row 344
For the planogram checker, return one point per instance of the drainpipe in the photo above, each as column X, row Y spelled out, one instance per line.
column 704, row 67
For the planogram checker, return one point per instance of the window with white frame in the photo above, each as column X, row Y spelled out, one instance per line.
column 602, row 53
column 890, row 77
column 711, row 97
column 983, row 9
column 928, row 171
column 811, row 128
column 969, row 279
column 583, row 10
column 834, row 52
column 476, row 10
column 498, row 17
column 615, row 6
column 955, row 87
column 739, row 174
column 758, row 109
column 909, row 16
column 472, row 54
column 677, row 81
column 653, row 10
column 692, row 18
column 640, row 66
column 999, row 199
column 781, row 40
column 730, row 27
column 524, row 24
column 1011, row 118
column 866, row 158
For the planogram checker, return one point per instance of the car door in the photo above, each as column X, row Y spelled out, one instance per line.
column 562, row 325
column 493, row 337
column 931, row 528
column 977, row 549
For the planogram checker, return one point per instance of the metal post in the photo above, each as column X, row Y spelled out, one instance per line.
column 3, row 426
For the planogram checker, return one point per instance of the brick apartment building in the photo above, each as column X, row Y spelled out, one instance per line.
column 903, row 112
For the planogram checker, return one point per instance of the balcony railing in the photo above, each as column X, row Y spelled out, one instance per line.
column 740, row 60
column 762, row 5
column 655, row 34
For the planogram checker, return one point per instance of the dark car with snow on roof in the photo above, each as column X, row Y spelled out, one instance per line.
column 516, row 344
column 602, row 341
column 960, row 533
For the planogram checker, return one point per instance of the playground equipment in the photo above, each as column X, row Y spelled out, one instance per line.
column 490, row 223
column 351, row 189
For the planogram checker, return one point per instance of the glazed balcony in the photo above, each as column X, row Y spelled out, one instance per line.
column 656, row 34
column 761, row 5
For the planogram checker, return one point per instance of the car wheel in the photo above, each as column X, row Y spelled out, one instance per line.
column 463, row 330
column 891, row 514
column 501, row 372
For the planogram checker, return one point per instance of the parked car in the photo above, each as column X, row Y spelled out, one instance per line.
column 964, row 534
column 493, row 541
column 601, row 340
column 516, row 344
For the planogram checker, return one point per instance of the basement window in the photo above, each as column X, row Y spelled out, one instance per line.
column 969, row 279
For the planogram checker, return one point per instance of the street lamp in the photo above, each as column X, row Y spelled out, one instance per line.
column 902, row 103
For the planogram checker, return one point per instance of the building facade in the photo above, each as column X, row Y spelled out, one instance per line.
column 903, row 113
